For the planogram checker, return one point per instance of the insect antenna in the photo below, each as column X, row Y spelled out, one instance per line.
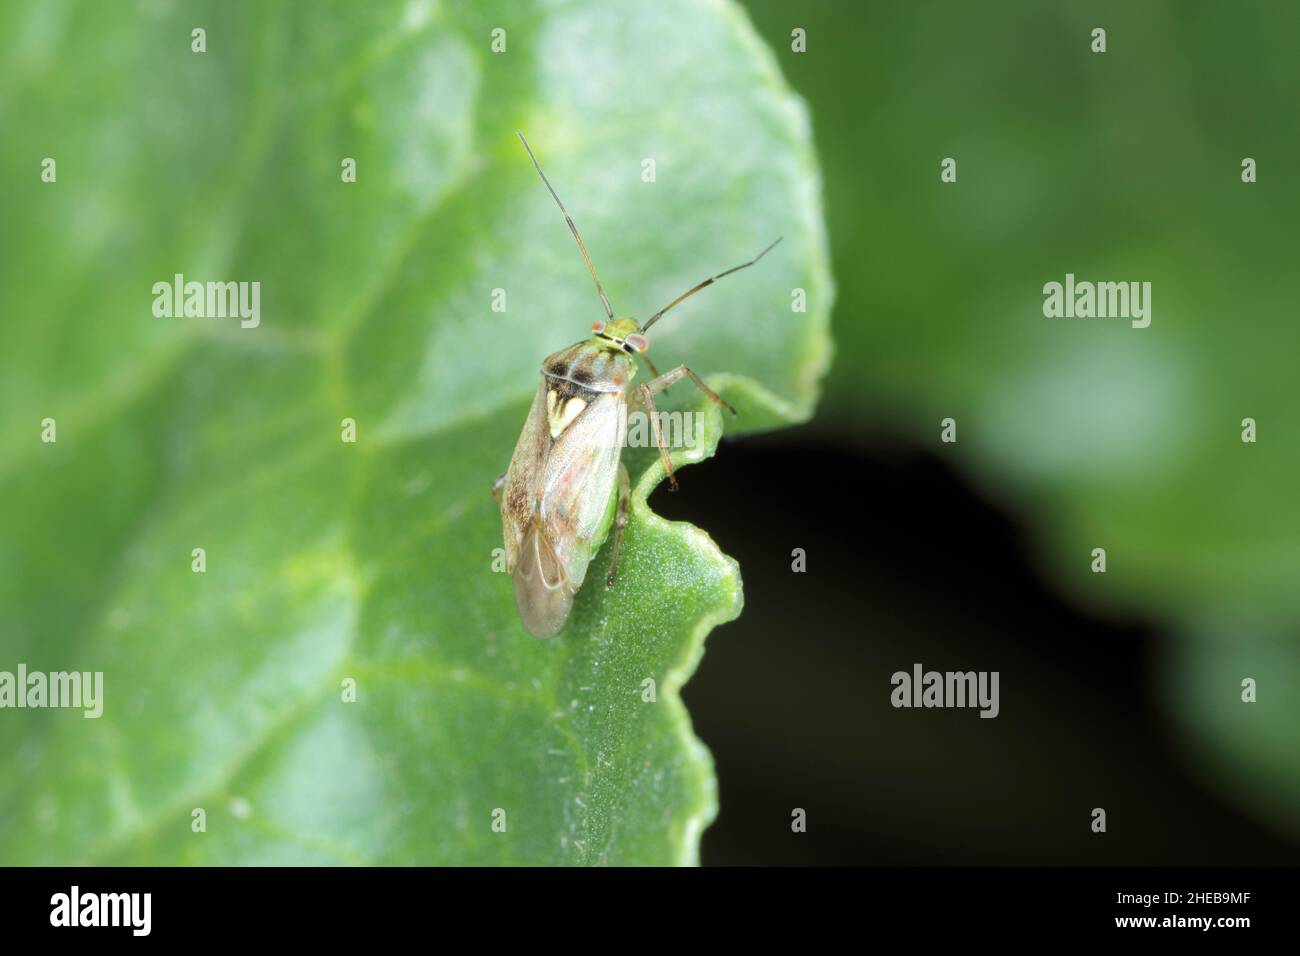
column 707, row 282
column 572, row 228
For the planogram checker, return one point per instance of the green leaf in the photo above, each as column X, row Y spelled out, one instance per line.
column 370, row 561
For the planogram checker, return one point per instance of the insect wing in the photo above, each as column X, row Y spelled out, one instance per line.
column 519, row 493
column 579, row 475
column 577, row 479
column 541, row 584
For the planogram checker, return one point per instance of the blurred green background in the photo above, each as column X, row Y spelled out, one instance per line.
column 1072, row 434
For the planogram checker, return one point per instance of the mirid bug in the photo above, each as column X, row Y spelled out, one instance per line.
column 557, row 497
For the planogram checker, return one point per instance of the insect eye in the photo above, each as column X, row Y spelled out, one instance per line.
column 637, row 343
column 598, row 327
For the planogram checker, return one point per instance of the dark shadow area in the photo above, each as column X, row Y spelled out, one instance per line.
column 905, row 565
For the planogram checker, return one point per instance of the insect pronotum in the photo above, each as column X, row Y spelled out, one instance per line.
column 557, row 497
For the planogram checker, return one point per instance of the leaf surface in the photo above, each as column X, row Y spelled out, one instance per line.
column 370, row 562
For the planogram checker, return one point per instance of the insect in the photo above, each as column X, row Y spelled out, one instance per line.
column 557, row 497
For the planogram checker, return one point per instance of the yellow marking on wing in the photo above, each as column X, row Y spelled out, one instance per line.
column 562, row 418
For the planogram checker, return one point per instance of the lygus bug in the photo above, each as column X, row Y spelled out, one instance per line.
column 557, row 500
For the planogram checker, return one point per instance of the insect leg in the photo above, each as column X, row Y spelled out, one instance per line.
column 663, row 381
column 498, row 485
column 648, row 402
column 620, row 520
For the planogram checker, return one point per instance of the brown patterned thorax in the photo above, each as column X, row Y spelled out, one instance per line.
column 587, row 367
